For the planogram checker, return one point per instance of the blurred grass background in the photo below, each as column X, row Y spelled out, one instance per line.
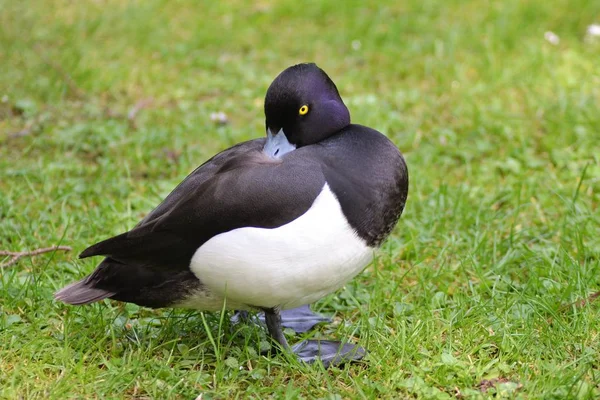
column 106, row 105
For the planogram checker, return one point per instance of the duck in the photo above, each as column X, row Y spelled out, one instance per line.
column 271, row 224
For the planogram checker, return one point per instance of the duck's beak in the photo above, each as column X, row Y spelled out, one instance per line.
column 277, row 144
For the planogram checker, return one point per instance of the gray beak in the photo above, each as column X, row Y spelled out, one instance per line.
column 277, row 144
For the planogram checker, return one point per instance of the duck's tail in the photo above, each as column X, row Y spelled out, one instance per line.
column 81, row 292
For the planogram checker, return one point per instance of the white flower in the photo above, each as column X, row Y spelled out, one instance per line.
column 593, row 30
column 219, row 118
column 592, row 33
column 552, row 38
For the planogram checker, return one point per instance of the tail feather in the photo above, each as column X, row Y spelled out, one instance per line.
column 81, row 292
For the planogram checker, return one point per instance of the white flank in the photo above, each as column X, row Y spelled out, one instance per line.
column 295, row 264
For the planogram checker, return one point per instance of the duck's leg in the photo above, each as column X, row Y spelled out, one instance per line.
column 328, row 351
column 300, row 319
column 273, row 321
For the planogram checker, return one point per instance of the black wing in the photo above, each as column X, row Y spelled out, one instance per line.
column 239, row 187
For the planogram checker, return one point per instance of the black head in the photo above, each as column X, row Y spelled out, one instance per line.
column 304, row 102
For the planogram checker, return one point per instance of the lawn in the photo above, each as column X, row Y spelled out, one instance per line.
column 484, row 290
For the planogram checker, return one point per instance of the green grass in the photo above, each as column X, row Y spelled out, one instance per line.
column 500, row 236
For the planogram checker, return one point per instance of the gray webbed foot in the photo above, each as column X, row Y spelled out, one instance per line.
column 330, row 352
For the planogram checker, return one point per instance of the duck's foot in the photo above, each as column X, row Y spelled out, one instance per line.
column 300, row 319
column 240, row 316
column 330, row 352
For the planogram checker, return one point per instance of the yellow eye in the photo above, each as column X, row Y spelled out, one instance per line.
column 303, row 110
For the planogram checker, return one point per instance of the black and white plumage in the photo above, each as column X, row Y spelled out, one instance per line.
column 268, row 224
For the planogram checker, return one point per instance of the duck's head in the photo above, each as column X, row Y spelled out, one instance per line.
column 302, row 107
